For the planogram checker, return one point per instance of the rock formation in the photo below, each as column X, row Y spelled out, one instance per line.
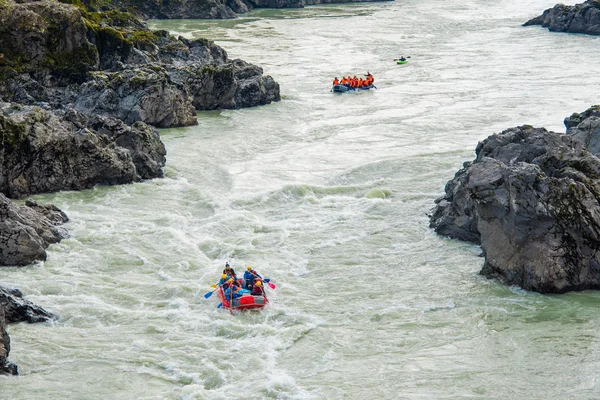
column 78, row 86
column 109, row 63
column 531, row 199
column 14, row 308
column 197, row 9
column 26, row 231
column 580, row 18
column 46, row 151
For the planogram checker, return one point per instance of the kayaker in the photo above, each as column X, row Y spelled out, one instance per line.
column 402, row 58
column 336, row 81
column 249, row 276
column 229, row 271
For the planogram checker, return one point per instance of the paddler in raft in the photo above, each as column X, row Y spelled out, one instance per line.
column 257, row 288
column 229, row 271
column 249, row 276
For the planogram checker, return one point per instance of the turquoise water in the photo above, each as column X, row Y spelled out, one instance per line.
column 326, row 194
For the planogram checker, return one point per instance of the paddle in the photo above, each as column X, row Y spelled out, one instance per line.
column 207, row 295
column 215, row 286
column 271, row 285
column 231, row 300
column 396, row 59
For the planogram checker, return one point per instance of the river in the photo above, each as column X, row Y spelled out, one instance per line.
column 328, row 196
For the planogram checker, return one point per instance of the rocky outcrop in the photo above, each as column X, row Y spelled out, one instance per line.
column 14, row 308
column 197, row 9
column 44, row 151
column 26, row 231
column 531, row 199
column 138, row 94
column 585, row 128
column 109, row 63
column 580, row 18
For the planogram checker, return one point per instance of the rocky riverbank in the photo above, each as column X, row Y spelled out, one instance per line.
column 81, row 92
column 580, row 18
column 531, row 199
column 193, row 9
column 108, row 63
column 14, row 308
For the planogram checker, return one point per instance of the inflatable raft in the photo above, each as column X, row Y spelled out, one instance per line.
column 246, row 301
column 346, row 88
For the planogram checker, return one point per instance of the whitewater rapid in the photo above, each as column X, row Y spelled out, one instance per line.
column 328, row 196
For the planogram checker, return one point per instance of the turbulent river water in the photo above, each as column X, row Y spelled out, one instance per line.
column 328, row 196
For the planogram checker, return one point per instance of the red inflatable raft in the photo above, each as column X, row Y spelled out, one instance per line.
column 246, row 301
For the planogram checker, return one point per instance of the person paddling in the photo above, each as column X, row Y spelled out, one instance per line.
column 336, row 81
column 229, row 271
column 257, row 288
column 249, row 276
column 223, row 279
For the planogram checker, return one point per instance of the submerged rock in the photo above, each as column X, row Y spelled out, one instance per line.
column 14, row 308
column 580, row 18
column 531, row 199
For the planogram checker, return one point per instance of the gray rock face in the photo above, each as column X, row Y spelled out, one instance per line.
column 45, row 35
column 26, row 231
column 121, row 70
column 140, row 94
column 531, row 198
column 6, row 367
column 14, row 308
column 580, row 18
column 585, row 128
column 47, row 151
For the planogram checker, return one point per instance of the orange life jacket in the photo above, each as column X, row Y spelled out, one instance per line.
column 336, row 82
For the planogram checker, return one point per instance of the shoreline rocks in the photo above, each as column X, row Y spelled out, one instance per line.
column 26, row 231
column 531, row 199
column 13, row 309
column 47, row 151
column 109, row 63
column 580, row 18
column 193, row 9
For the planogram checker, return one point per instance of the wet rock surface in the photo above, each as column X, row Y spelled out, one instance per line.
column 531, row 199
column 580, row 18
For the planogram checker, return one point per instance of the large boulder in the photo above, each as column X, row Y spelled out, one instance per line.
column 531, row 198
column 580, row 18
column 137, row 94
column 585, row 128
column 26, row 231
column 44, row 151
